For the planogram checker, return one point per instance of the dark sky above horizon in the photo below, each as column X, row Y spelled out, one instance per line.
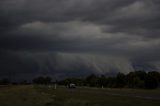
column 78, row 37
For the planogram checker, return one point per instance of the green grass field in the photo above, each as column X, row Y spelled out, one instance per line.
column 45, row 96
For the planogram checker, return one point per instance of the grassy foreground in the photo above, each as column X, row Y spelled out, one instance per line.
column 47, row 96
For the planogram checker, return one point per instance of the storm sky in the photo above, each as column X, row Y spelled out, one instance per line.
column 78, row 37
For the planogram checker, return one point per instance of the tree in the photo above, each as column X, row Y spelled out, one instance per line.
column 111, row 82
column 4, row 81
column 140, row 78
column 77, row 81
column 102, row 81
column 136, row 79
column 92, row 80
column 42, row 80
column 152, row 80
column 141, row 74
column 120, row 80
column 24, row 82
column 47, row 80
column 132, row 80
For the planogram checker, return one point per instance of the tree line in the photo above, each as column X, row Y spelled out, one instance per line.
column 38, row 80
column 137, row 79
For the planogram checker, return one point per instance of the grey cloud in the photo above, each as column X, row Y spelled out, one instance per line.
column 60, row 36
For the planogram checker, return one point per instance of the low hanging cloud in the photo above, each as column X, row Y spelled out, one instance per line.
column 78, row 37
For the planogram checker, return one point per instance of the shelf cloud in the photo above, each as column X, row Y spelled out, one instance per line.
column 78, row 37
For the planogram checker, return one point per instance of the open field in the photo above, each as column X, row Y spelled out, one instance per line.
column 47, row 96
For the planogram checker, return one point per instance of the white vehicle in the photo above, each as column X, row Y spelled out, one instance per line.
column 71, row 85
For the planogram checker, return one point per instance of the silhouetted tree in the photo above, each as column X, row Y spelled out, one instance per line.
column 92, row 80
column 76, row 81
column 120, row 80
column 47, row 80
column 42, row 80
column 137, row 79
column 141, row 74
column 111, row 82
column 24, row 82
column 4, row 81
column 102, row 81
column 152, row 80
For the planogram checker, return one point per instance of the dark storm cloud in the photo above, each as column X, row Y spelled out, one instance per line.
column 60, row 36
column 135, row 16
